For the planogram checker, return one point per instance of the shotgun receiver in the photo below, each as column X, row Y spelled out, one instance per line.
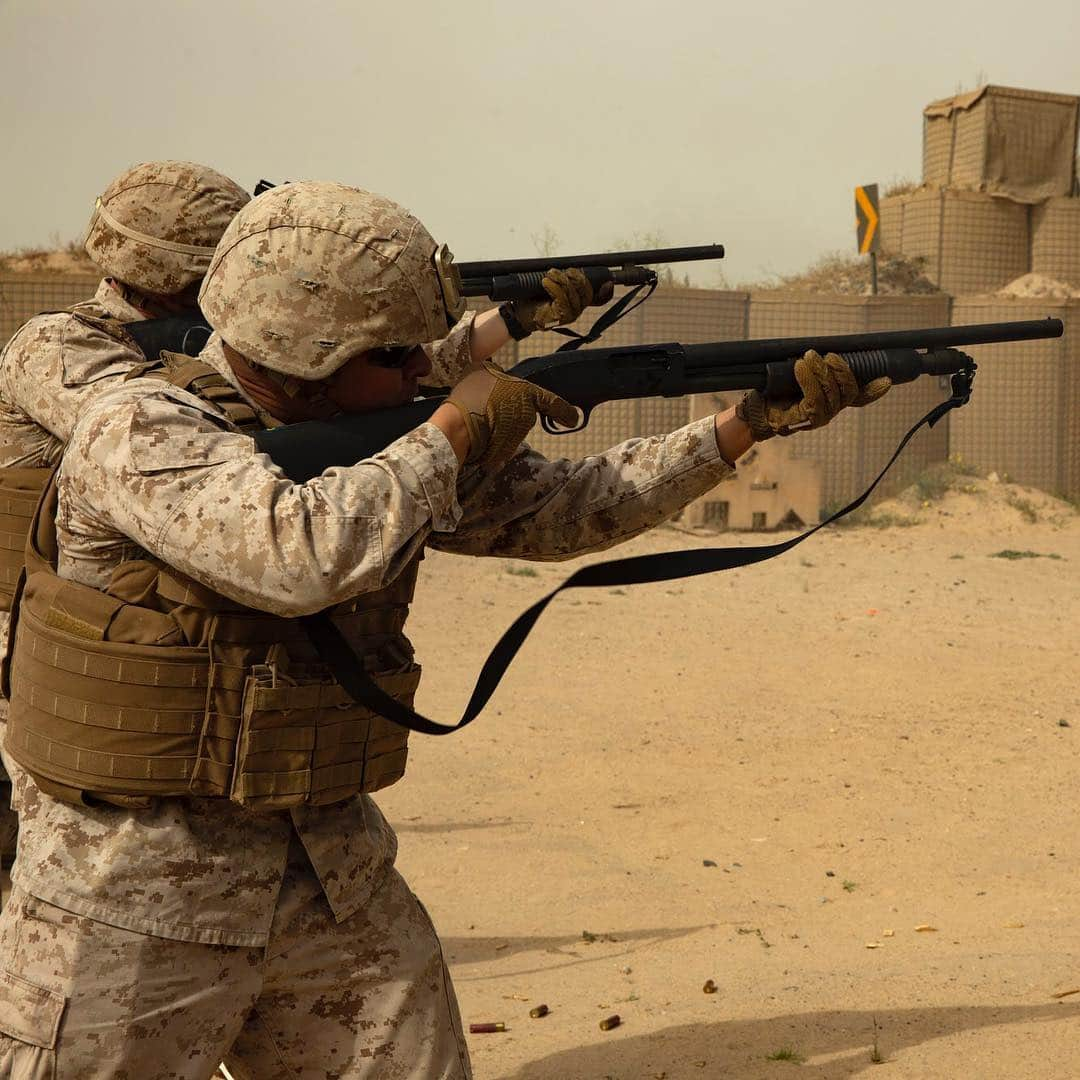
column 590, row 377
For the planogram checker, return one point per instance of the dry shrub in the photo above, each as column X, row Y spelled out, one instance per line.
column 900, row 185
column 849, row 275
column 69, row 258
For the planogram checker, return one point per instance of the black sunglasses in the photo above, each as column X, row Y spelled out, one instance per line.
column 391, row 356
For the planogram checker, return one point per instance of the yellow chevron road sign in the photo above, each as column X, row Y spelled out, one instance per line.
column 867, row 218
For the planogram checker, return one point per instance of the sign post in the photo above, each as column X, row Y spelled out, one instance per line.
column 867, row 233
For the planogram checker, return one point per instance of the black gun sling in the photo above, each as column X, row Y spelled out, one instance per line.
column 336, row 652
column 185, row 334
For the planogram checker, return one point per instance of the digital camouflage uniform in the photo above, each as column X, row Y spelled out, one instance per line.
column 156, row 942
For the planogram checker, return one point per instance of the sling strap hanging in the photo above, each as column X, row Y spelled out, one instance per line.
column 336, row 652
column 621, row 308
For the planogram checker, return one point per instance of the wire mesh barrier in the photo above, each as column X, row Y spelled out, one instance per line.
column 969, row 243
column 1025, row 419
column 1002, row 140
column 1055, row 240
column 24, row 295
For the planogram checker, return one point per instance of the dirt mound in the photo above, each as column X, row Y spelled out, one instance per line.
column 1039, row 285
column 849, row 275
column 67, row 260
column 954, row 495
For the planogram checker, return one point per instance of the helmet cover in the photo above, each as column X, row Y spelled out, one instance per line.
column 312, row 273
column 156, row 225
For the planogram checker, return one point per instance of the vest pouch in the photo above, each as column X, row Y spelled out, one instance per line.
column 93, row 715
column 305, row 741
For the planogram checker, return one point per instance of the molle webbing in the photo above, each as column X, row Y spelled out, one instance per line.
column 20, row 490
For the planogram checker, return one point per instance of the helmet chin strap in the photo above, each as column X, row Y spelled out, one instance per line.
column 133, row 297
column 284, row 397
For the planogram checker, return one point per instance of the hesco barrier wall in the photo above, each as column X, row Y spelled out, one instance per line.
column 1023, row 420
column 971, row 243
column 1018, row 143
column 23, row 295
column 691, row 316
column 1055, row 239
column 854, row 447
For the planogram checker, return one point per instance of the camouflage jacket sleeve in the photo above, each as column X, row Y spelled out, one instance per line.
column 451, row 355
column 540, row 509
column 152, row 467
column 53, row 365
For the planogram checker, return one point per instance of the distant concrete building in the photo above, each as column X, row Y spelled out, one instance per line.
column 771, row 490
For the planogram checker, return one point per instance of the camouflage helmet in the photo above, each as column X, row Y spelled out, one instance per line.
column 310, row 274
column 157, row 224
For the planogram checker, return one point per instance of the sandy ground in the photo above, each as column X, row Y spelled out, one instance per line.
column 875, row 733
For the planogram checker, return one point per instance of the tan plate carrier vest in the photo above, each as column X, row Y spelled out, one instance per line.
column 158, row 686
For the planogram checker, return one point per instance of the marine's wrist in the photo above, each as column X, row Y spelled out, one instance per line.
column 487, row 334
column 450, row 420
column 733, row 435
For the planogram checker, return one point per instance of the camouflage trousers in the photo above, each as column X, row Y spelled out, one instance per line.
column 367, row 998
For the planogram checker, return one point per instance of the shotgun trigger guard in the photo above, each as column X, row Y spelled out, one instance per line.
column 553, row 428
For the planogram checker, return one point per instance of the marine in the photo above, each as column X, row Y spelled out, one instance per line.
column 152, row 233
column 203, row 873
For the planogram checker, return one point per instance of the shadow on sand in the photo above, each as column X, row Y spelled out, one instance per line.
column 411, row 826
column 571, row 949
column 737, row 1049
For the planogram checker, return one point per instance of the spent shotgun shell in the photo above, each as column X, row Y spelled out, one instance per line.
column 486, row 1029
column 610, row 1022
column 709, row 987
column 540, row 1010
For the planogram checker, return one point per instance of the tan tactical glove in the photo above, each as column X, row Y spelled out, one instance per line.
column 828, row 386
column 499, row 411
column 570, row 294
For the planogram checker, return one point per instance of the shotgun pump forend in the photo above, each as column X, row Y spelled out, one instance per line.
column 593, row 376
column 766, row 364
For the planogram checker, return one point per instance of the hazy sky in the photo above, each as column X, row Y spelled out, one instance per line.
column 701, row 120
